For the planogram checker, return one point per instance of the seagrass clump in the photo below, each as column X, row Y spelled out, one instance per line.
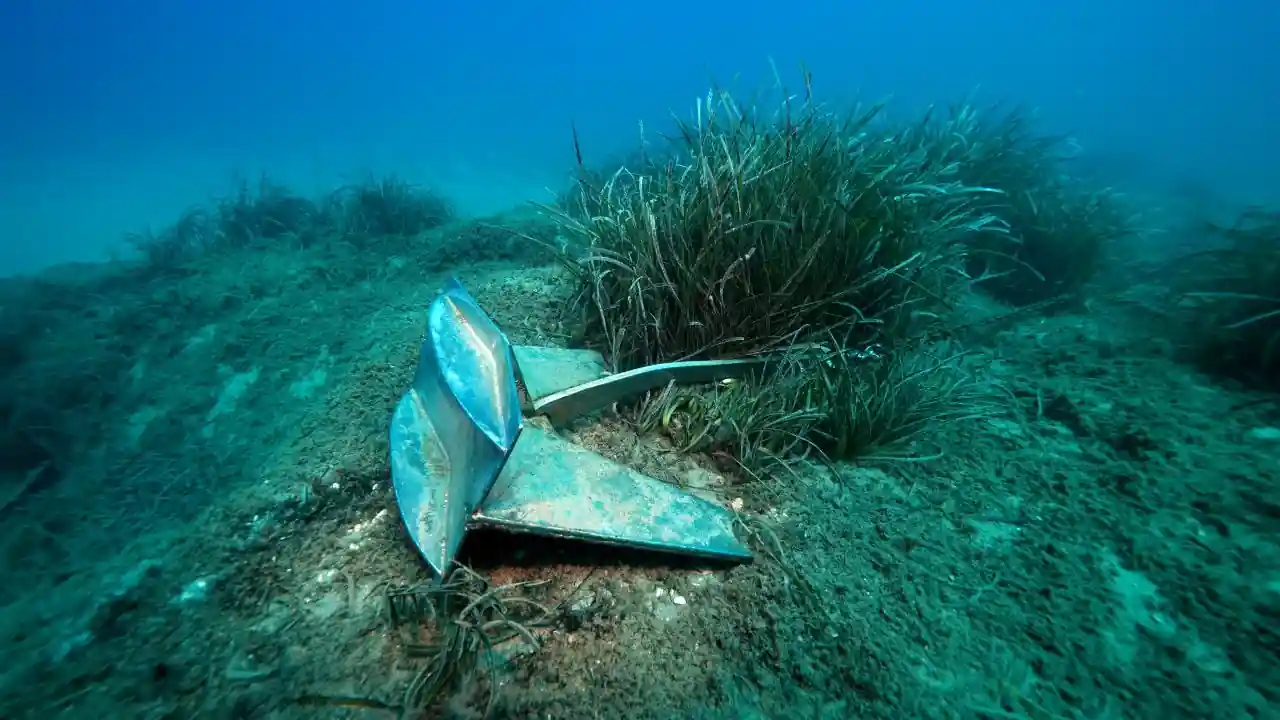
column 1227, row 300
column 766, row 227
column 1060, row 230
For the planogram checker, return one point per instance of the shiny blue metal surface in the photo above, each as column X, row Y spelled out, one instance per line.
column 452, row 431
column 459, row 430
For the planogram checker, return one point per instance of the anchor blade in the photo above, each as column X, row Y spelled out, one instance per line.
column 598, row 393
column 453, row 430
column 552, row 487
column 549, row 370
column 422, row 474
column 474, row 363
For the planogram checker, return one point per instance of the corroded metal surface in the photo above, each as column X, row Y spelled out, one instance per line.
column 548, row 370
column 420, row 472
column 563, row 406
column 551, row 486
column 474, row 365
column 461, row 456
column 452, row 431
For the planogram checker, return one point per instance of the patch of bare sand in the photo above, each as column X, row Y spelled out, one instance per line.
column 1108, row 550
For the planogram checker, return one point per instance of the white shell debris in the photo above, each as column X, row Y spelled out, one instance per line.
column 195, row 591
column 676, row 598
column 356, row 532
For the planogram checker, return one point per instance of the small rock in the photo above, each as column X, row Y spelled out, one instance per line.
column 123, row 599
column 702, row 579
column 326, row 606
column 700, row 479
column 196, row 591
column 585, row 608
column 1265, row 434
column 245, row 670
column 666, row 612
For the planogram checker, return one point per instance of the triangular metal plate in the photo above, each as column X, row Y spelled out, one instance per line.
column 550, row 486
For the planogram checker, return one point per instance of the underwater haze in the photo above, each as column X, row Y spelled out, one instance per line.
column 119, row 115
column 413, row 358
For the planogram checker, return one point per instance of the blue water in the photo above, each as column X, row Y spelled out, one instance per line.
column 118, row 115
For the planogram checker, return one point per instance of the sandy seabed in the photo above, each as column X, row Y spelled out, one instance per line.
column 223, row 543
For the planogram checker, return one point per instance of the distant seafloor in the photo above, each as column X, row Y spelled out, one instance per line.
column 77, row 205
column 79, row 210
